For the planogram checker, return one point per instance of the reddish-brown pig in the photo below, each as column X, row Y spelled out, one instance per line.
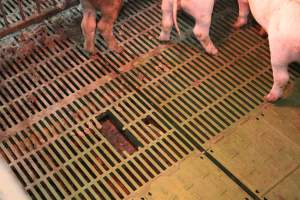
column 109, row 12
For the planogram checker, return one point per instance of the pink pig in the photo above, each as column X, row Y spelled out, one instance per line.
column 281, row 20
column 201, row 10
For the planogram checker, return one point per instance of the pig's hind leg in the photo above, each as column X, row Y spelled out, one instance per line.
column 106, row 23
column 262, row 32
column 201, row 31
column 88, row 26
column 280, row 58
column 167, row 20
column 243, row 14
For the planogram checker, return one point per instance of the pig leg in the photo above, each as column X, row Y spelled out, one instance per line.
column 243, row 13
column 280, row 58
column 262, row 32
column 88, row 26
column 167, row 20
column 105, row 26
column 201, row 31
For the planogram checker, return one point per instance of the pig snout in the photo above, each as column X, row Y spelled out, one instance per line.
column 201, row 10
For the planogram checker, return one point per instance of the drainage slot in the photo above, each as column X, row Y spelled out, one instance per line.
column 149, row 121
column 121, row 140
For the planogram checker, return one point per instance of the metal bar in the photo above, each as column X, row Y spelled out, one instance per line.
column 38, row 5
column 54, row 2
column 3, row 13
column 20, row 5
column 36, row 18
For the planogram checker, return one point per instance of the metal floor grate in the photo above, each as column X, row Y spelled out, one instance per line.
column 50, row 101
column 13, row 14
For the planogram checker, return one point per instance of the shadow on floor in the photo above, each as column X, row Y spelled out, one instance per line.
column 293, row 97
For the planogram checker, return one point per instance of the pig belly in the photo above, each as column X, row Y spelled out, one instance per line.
column 262, row 10
column 280, row 18
column 104, row 4
column 285, row 25
column 198, row 8
column 266, row 10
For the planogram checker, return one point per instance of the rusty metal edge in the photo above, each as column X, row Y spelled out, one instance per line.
column 36, row 19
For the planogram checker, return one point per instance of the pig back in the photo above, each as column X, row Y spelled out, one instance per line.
column 103, row 4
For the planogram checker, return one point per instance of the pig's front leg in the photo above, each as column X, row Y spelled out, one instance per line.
column 167, row 20
column 88, row 26
column 243, row 13
column 201, row 31
column 280, row 58
column 105, row 26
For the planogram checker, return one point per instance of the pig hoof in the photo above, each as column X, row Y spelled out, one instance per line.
column 90, row 49
column 212, row 50
column 117, row 49
column 164, row 37
column 271, row 97
column 239, row 23
column 262, row 33
column 236, row 25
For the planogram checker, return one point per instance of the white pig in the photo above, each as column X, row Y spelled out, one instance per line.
column 201, row 10
column 281, row 20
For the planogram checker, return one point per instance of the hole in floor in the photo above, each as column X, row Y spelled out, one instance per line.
column 150, row 121
column 121, row 140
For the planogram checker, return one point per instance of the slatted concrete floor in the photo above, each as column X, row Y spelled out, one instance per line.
column 169, row 100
